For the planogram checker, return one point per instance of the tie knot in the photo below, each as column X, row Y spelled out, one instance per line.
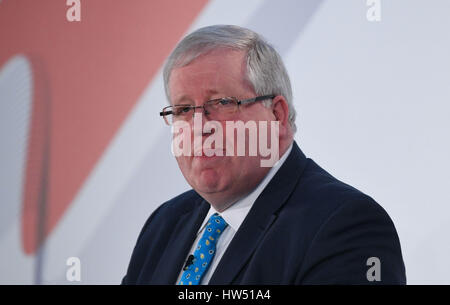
column 216, row 224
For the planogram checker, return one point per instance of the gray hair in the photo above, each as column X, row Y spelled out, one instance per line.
column 265, row 69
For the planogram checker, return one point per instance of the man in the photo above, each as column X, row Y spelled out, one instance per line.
column 244, row 223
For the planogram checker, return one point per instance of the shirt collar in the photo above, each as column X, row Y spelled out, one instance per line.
column 236, row 213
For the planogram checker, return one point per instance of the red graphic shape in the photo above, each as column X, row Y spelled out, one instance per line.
column 87, row 77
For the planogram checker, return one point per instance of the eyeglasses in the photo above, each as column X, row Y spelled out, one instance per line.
column 219, row 109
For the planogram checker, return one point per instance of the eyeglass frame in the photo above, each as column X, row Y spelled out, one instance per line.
column 164, row 113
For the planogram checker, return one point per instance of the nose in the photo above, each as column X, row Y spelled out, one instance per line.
column 197, row 109
column 201, row 108
column 199, row 120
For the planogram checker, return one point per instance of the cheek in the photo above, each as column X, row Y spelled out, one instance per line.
column 184, row 164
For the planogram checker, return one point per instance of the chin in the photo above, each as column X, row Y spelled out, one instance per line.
column 209, row 181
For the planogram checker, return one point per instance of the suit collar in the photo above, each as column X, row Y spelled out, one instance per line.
column 260, row 218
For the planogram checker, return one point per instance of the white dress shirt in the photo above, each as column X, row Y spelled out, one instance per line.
column 234, row 216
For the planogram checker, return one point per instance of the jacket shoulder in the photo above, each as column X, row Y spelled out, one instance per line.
column 170, row 211
column 322, row 194
column 349, row 226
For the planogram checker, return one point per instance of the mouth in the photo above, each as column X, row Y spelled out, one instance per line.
column 204, row 156
column 201, row 155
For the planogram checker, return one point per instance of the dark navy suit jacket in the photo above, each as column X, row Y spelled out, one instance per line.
column 306, row 227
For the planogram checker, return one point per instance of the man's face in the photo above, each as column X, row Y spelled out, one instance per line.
column 219, row 179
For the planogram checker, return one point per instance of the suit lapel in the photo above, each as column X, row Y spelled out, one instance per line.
column 260, row 218
column 184, row 234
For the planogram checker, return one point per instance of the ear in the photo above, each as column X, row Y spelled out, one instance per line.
column 280, row 110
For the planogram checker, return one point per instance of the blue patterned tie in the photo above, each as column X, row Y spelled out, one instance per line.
column 204, row 252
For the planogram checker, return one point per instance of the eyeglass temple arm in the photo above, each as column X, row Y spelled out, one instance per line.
column 164, row 113
column 256, row 99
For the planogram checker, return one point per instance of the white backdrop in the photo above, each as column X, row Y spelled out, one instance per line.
column 373, row 103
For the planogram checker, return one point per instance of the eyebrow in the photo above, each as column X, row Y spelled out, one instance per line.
column 183, row 98
column 212, row 92
column 180, row 101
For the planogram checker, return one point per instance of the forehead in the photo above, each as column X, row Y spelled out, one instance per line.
column 220, row 72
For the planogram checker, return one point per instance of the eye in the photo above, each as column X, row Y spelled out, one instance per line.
column 225, row 101
column 180, row 110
